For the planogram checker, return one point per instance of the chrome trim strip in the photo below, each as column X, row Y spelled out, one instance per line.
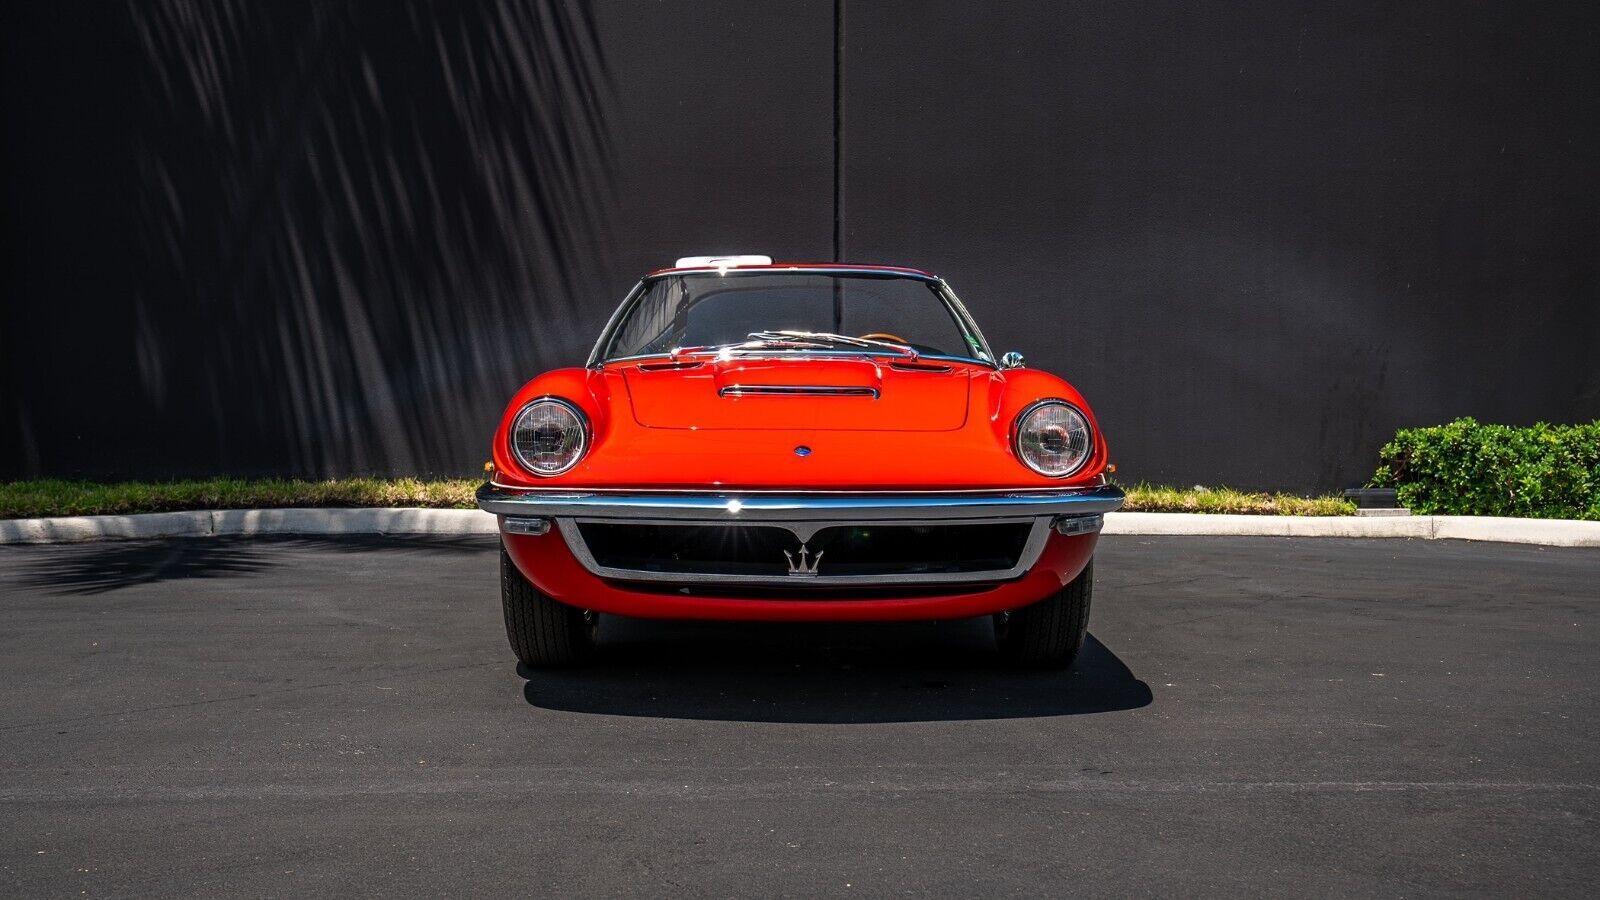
column 796, row 390
column 803, row 532
column 732, row 506
column 602, row 343
column 966, row 319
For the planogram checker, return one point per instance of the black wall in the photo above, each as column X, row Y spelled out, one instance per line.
column 332, row 238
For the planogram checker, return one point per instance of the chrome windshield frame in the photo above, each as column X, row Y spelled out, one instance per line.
column 958, row 312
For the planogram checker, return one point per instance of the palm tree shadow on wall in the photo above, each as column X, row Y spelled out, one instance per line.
column 826, row 673
column 396, row 207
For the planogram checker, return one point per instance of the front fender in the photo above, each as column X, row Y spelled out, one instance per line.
column 588, row 389
column 1010, row 391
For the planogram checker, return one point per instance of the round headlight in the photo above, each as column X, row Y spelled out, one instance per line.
column 1053, row 438
column 549, row 436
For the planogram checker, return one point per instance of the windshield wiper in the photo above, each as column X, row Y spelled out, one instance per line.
column 767, row 342
column 826, row 339
column 771, row 340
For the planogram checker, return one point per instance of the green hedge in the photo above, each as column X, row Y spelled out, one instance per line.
column 1468, row 468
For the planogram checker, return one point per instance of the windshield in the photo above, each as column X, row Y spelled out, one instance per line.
column 792, row 312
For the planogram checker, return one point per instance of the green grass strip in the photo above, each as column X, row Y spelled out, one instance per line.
column 35, row 499
column 30, row 499
column 1155, row 498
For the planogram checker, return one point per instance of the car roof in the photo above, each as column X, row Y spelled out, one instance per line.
column 793, row 266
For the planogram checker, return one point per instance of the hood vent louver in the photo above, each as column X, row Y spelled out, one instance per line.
column 909, row 366
column 674, row 366
column 796, row 390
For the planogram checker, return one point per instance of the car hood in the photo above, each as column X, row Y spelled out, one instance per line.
column 700, row 437
column 826, row 394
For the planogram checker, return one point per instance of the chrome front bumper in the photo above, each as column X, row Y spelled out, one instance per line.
column 742, row 507
column 1068, row 511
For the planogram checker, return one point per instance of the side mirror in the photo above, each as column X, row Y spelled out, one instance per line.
column 1011, row 360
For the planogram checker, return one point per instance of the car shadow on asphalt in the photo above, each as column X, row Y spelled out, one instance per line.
column 97, row 568
column 832, row 673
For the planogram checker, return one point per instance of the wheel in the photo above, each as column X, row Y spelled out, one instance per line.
column 543, row 632
column 1048, row 634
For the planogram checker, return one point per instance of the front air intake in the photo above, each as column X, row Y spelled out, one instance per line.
column 886, row 552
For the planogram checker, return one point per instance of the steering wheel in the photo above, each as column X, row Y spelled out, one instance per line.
column 884, row 336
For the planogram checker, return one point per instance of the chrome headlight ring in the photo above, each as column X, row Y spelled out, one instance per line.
column 1058, row 448
column 548, row 436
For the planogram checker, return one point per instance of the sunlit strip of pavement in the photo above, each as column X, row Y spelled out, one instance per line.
column 399, row 521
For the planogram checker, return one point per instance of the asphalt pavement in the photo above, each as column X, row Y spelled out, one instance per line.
column 292, row 717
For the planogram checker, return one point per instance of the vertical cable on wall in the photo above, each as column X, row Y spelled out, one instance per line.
column 838, row 130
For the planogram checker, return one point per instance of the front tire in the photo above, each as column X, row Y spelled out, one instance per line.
column 1048, row 634
column 543, row 632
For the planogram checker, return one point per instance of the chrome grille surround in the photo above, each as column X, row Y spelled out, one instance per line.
column 803, row 532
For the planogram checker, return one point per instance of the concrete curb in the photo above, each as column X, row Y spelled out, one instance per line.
column 228, row 522
column 245, row 522
column 1548, row 532
column 1271, row 526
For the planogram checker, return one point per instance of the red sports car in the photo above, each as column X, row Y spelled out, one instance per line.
column 797, row 442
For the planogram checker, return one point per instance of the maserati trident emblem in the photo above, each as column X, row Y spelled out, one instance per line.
column 802, row 569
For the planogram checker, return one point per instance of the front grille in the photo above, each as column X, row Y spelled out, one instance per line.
column 837, row 551
column 797, row 589
column 718, row 549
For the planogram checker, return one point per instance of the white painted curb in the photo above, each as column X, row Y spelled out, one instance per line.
column 1549, row 532
column 1272, row 526
column 227, row 522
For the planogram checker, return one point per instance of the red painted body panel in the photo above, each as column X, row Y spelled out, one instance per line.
column 551, row 567
column 911, row 438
